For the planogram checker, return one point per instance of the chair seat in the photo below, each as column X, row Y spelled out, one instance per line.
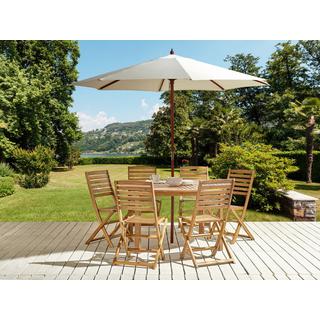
column 143, row 220
column 203, row 218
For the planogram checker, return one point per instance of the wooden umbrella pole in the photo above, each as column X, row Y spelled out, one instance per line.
column 172, row 153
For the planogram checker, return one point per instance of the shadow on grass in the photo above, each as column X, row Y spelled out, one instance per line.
column 61, row 169
column 310, row 187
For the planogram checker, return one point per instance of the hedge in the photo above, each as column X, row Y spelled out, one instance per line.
column 300, row 158
column 148, row 160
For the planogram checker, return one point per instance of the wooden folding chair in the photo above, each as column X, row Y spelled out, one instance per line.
column 242, row 187
column 191, row 173
column 213, row 203
column 143, row 173
column 137, row 207
column 99, row 185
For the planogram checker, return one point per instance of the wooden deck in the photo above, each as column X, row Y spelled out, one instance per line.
column 57, row 250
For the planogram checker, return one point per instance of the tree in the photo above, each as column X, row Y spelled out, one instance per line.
column 311, row 58
column 303, row 117
column 249, row 100
column 288, row 78
column 158, row 140
column 44, row 72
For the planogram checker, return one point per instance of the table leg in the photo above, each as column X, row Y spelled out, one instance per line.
column 172, row 220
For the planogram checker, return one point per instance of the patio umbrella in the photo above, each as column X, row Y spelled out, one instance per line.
column 172, row 73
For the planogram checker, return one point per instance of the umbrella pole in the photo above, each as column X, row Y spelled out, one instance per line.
column 172, row 153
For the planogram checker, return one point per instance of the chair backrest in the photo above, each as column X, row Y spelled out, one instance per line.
column 194, row 172
column 99, row 185
column 136, row 197
column 214, row 194
column 243, row 183
column 140, row 172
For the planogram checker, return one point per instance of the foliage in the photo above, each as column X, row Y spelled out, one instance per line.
column 271, row 171
column 158, row 140
column 34, row 166
column 36, row 84
column 304, row 116
column 6, row 186
column 150, row 160
column 251, row 101
column 74, row 157
column 6, row 170
column 30, row 181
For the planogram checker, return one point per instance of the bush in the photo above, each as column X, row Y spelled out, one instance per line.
column 38, row 180
column 300, row 159
column 73, row 158
column 34, row 166
column 271, row 171
column 5, row 170
column 6, row 186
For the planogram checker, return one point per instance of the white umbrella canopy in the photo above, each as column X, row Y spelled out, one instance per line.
column 188, row 74
column 172, row 73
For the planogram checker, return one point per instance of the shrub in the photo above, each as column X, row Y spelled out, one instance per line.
column 38, row 180
column 34, row 166
column 73, row 158
column 5, row 170
column 6, row 186
column 271, row 171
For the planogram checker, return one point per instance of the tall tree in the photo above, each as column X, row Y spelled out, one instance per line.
column 249, row 100
column 311, row 58
column 50, row 66
column 288, row 78
column 304, row 117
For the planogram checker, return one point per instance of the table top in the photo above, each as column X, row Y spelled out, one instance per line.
column 165, row 190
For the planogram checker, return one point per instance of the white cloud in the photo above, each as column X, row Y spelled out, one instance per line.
column 88, row 122
column 144, row 104
column 148, row 110
column 154, row 109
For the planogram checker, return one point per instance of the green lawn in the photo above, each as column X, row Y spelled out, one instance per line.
column 66, row 198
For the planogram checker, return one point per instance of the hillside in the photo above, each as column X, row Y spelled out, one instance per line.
column 117, row 137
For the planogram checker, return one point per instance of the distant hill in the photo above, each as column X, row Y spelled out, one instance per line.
column 116, row 137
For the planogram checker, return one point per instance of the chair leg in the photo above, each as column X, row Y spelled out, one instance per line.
column 105, row 235
column 240, row 224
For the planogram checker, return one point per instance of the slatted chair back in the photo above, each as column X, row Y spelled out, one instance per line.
column 140, row 172
column 214, row 194
column 243, row 183
column 136, row 197
column 99, row 185
column 194, row 172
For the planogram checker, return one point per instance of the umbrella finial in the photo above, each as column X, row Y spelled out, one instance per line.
column 171, row 51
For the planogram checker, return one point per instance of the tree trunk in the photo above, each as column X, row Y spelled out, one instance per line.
column 309, row 147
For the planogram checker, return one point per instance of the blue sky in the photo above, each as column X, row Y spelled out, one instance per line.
column 98, row 108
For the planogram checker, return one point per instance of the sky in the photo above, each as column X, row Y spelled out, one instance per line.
column 96, row 108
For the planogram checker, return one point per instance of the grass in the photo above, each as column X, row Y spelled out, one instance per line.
column 66, row 198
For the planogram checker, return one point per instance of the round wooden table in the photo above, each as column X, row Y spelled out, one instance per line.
column 163, row 189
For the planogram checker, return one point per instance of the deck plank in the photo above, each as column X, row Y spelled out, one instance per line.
column 57, row 250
